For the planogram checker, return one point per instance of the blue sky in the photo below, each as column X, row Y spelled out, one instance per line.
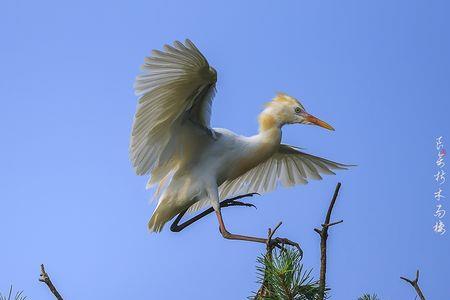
column 376, row 70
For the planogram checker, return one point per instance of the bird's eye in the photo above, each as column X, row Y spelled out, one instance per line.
column 298, row 110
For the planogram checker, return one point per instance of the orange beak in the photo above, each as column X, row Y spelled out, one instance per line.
column 313, row 120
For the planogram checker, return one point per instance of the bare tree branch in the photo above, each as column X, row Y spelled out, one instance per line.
column 415, row 285
column 263, row 292
column 323, row 233
column 46, row 279
column 271, row 244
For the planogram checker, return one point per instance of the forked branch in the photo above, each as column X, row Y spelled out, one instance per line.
column 323, row 233
column 263, row 291
column 415, row 285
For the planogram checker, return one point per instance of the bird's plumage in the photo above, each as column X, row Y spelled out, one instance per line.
column 176, row 88
column 195, row 165
column 288, row 166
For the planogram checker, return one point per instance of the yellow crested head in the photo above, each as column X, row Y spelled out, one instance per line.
column 284, row 99
column 284, row 109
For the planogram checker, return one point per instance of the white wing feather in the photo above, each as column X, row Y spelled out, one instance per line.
column 176, row 86
column 288, row 165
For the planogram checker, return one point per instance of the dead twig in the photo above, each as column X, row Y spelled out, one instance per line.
column 415, row 285
column 46, row 279
column 278, row 242
column 263, row 292
column 323, row 233
column 271, row 244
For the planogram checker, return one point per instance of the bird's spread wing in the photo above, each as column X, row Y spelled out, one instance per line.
column 176, row 86
column 288, row 165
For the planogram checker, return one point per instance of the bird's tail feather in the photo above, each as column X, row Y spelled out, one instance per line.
column 163, row 213
column 158, row 219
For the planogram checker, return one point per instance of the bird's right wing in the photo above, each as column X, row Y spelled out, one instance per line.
column 176, row 88
column 288, row 165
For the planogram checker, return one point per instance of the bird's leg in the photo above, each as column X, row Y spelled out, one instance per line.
column 270, row 243
column 231, row 236
column 175, row 227
column 276, row 242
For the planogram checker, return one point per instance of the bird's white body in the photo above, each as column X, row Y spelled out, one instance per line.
column 195, row 165
column 209, row 164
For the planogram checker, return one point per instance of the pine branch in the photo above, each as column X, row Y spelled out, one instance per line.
column 18, row 295
column 369, row 297
column 282, row 277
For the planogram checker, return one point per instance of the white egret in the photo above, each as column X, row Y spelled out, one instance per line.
column 194, row 164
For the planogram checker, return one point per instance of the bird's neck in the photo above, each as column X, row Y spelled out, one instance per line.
column 269, row 128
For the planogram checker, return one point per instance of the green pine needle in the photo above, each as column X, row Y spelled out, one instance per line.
column 369, row 297
column 18, row 295
column 284, row 277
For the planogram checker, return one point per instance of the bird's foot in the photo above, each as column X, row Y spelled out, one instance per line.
column 233, row 202
column 278, row 242
column 236, row 203
column 281, row 242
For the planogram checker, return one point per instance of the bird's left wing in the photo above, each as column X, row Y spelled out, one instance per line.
column 176, row 88
column 288, row 165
